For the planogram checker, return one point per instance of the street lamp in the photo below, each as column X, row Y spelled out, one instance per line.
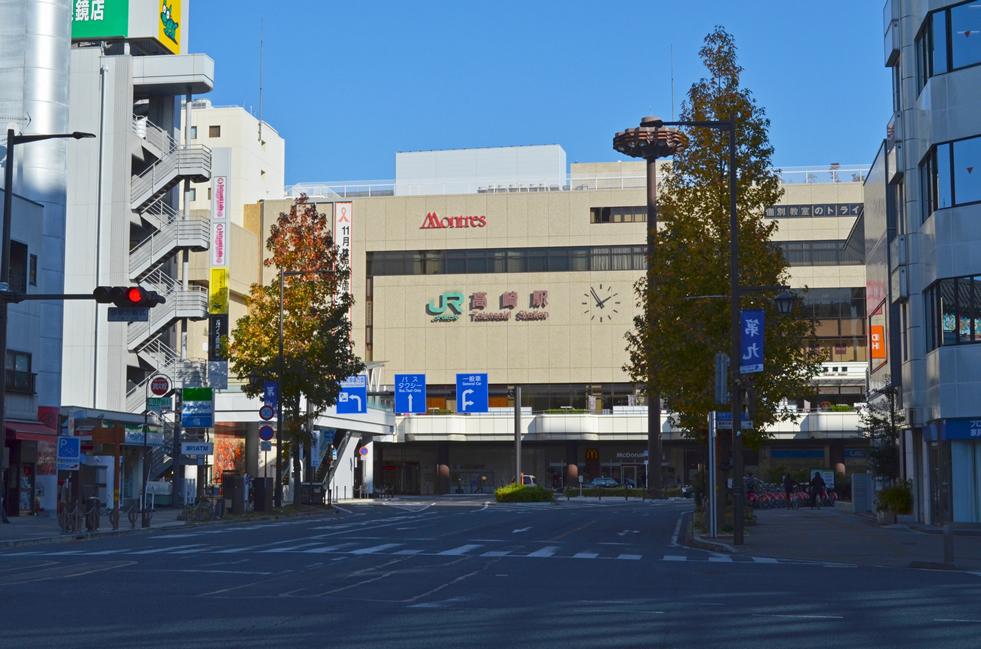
column 8, row 196
column 650, row 142
column 279, row 398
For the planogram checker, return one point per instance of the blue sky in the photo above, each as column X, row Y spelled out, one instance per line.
column 348, row 84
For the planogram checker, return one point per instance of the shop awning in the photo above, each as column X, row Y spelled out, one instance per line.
column 31, row 431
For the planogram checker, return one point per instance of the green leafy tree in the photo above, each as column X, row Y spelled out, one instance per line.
column 882, row 422
column 317, row 349
column 675, row 338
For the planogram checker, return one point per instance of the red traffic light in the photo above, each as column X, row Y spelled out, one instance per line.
column 127, row 296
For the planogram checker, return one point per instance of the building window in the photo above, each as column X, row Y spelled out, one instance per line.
column 819, row 253
column 194, row 193
column 194, row 132
column 954, row 312
column 945, row 43
column 947, row 175
column 513, row 260
column 209, row 193
column 18, row 266
column 32, row 271
column 18, row 376
column 214, row 131
column 618, row 214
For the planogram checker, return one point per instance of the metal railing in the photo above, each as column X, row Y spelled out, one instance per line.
column 193, row 162
column 20, row 382
column 193, row 233
column 154, row 135
column 192, row 303
column 373, row 188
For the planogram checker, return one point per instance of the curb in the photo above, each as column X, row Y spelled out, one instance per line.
column 713, row 546
column 932, row 565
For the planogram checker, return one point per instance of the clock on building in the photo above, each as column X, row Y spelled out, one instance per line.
column 600, row 303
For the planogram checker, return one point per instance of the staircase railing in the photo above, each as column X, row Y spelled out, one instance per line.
column 190, row 233
column 166, row 172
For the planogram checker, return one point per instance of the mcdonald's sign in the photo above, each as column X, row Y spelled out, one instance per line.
column 592, row 454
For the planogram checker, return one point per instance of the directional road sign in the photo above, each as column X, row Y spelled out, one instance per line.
column 266, row 433
column 69, row 453
column 159, row 404
column 471, row 393
column 723, row 421
column 353, row 399
column 410, row 393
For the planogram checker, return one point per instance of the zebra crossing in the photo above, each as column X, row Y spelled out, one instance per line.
column 351, row 549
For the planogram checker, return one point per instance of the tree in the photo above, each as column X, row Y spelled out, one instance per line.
column 677, row 338
column 317, row 349
column 882, row 422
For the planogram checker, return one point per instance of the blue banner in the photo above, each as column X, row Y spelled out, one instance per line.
column 751, row 341
column 270, row 393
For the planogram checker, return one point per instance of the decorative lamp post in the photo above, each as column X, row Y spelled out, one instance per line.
column 651, row 141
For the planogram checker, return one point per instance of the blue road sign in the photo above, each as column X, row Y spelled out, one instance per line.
column 410, row 393
column 471, row 393
column 266, row 433
column 270, row 393
column 751, row 339
column 198, row 414
column 353, row 399
column 69, row 453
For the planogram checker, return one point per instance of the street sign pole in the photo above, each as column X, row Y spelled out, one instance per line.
column 713, row 522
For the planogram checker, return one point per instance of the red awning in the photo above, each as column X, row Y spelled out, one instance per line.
column 31, row 431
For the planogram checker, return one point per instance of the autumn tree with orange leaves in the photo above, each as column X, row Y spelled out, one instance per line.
column 317, row 349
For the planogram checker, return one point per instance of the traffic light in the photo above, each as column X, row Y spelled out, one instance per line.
column 127, row 296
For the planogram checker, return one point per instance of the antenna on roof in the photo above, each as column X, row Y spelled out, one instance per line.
column 260, row 80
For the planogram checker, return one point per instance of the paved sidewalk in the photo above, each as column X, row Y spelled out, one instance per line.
column 834, row 535
column 24, row 530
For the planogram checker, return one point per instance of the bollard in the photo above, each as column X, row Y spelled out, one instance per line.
column 948, row 543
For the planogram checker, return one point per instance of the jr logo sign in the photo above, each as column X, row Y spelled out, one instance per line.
column 447, row 308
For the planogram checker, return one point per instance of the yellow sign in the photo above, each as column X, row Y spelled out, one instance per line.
column 169, row 25
column 592, row 454
column 218, row 292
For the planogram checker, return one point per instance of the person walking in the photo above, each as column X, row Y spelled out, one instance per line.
column 788, row 488
column 817, row 489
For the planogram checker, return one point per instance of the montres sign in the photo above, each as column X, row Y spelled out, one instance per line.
column 434, row 221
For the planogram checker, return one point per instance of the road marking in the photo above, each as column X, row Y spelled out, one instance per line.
column 585, row 555
column 58, row 554
column 626, row 532
column 544, row 552
column 173, row 536
column 171, row 549
column 463, row 549
column 523, row 529
column 290, row 548
column 572, row 531
column 408, row 552
column 496, row 553
column 675, row 557
column 955, row 620
column 764, row 560
column 94, row 554
column 677, row 531
column 630, row 557
column 234, row 550
column 720, row 559
column 374, row 549
column 324, row 549
column 229, row 572
column 805, row 617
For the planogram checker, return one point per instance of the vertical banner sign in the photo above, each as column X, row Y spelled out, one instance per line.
column 751, row 336
column 877, row 334
column 218, row 292
column 218, row 285
column 343, row 231
column 217, row 329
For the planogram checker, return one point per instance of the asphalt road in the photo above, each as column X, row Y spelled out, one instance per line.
column 417, row 574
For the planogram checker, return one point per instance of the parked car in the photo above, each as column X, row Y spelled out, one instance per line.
column 528, row 480
column 630, row 483
column 602, row 482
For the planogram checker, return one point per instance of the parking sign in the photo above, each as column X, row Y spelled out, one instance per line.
column 69, row 453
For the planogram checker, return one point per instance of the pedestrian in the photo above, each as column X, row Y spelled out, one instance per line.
column 750, row 482
column 788, row 488
column 817, row 488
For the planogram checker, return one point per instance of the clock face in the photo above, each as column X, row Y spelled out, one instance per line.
column 601, row 303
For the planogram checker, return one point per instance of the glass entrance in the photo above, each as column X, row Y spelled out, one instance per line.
column 630, row 476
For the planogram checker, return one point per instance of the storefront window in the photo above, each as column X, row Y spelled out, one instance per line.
column 954, row 312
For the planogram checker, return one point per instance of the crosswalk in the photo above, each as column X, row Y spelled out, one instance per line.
column 351, row 549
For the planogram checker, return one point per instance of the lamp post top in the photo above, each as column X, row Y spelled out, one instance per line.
column 651, row 140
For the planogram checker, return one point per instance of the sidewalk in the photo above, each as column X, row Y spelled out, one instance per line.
column 25, row 530
column 837, row 536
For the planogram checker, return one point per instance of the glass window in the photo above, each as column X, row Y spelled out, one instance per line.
column 622, row 258
column 948, row 313
column 536, row 260
column 579, row 259
column 214, row 131
column 18, row 372
column 456, row 262
column 967, row 165
column 497, row 261
column 18, row 266
column 516, row 261
column 476, row 261
column 600, row 259
column 965, row 30
column 942, row 178
column 194, row 132
column 558, row 260
column 32, row 271
column 938, row 43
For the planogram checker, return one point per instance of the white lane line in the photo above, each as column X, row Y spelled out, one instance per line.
column 720, row 559
column 290, row 548
column 803, row 617
column 463, row 549
column 408, row 553
column 956, row 620
column 630, row 557
column 677, row 531
column 544, row 552
column 174, row 536
column 170, row 549
column 195, row 550
column 95, row 554
column 764, row 560
column 675, row 557
column 523, row 529
column 374, row 549
column 496, row 553
column 58, row 554
column 585, row 555
column 236, row 550
column 325, row 549
column 346, row 511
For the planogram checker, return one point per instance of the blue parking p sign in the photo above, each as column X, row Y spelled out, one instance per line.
column 410, row 393
column 69, row 453
column 471, row 393
column 353, row 399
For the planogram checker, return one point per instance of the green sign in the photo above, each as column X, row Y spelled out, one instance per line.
column 198, row 394
column 99, row 19
column 159, row 404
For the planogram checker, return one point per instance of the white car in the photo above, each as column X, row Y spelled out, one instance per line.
column 528, row 480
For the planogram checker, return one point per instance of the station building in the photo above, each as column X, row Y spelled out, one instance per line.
column 531, row 280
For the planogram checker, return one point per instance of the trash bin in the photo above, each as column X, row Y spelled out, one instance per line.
column 263, row 494
column 233, row 492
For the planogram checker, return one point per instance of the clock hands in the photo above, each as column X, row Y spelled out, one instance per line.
column 596, row 297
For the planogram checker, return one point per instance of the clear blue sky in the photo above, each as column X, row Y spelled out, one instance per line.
column 348, row 84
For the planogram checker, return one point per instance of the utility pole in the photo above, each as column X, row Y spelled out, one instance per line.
column 517, row 436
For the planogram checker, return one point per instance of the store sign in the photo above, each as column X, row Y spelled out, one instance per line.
column 219, row 243
column 218, row 292
column 217, row 329
column 100, row 19
column 219, row 185
column 876, row 333
column 168, row 27
column 433, row 222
